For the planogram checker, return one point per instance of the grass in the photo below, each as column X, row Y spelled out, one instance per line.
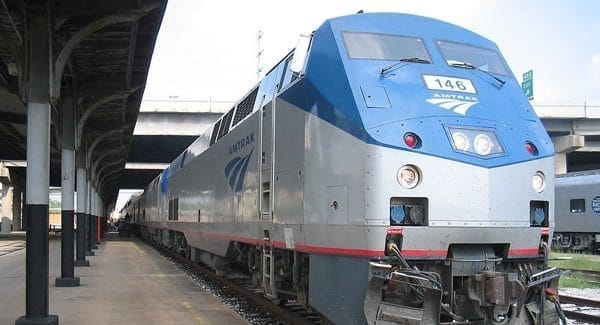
column 578, row 281
column 578, row 262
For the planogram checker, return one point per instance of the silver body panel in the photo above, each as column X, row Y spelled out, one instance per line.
column 584, row 187
column 314, row 168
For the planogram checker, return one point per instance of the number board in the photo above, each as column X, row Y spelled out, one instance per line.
column 449, row 84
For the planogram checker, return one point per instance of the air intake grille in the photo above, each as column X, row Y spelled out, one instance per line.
column 245, row 107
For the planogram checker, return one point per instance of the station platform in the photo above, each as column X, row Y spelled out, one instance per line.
column 127, row 282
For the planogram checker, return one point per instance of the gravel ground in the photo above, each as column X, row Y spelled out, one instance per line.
column 584, row 293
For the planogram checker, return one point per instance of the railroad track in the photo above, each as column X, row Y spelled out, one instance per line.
column 583, row 307
column 242, row 286
column 592, row 273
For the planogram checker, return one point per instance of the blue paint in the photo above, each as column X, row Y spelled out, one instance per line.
column 332, row 91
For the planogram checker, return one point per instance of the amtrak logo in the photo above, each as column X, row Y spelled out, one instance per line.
column 235, row 171
column 164, row 180
column 457, row 103
column 241, row 144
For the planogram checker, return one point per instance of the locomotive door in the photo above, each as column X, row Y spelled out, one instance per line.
column 266, row 203
column 266, row 165
column 268, row 180
column 267, row 141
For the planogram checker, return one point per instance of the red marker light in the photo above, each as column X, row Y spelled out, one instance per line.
column 530, row 147
column 411, row 140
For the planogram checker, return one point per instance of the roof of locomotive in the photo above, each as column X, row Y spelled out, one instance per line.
column 341, row 80
column 406, row 24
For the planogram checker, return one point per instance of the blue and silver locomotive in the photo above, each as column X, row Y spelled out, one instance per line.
column 387, row 170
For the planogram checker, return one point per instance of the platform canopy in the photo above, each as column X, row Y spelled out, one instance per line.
column 100, row 53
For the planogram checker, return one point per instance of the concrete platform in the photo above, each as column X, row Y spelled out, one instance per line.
column 127, row 283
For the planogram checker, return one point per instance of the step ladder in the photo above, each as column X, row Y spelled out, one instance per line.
column 268, row 271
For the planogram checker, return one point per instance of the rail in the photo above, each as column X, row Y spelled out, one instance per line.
column 581, row 303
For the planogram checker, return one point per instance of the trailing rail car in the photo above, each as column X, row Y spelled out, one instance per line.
column 577, row 212
column 388, row 169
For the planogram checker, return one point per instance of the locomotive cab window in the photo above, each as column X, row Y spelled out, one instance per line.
column 472, row 57
column 385, row 47
column 577, row 205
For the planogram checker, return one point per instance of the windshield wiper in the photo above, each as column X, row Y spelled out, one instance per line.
column 468, row 65
column 400, row 61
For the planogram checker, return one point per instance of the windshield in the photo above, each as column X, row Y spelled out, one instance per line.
column 484, row 59
column 384, row 47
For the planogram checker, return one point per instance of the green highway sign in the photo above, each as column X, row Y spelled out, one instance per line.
column 527, row 84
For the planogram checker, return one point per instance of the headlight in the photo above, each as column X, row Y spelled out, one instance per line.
column 484, row 141
column 461, row 142
column 408, row 176
column 539, row 182
column 483, row 144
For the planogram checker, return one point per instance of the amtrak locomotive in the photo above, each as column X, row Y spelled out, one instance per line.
column 387, row 170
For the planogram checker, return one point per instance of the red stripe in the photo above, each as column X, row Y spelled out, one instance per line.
column 307, row 248
column 339, row 251
column 279, row 244
column 395, row 230
column 524, row 251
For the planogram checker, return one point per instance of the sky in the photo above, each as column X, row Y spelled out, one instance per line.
column 207, row 49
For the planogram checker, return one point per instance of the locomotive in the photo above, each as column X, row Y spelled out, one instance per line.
column 389, row 169
column 577, row 208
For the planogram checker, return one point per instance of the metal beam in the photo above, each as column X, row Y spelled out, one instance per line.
column 114, row 163
column 14, row 137
column 84, row 33
column 130, row 58
column 92, row 108
column 95, row 8
column 113, row 172
column 104, row 154
column 101, row 137
column 14, row 27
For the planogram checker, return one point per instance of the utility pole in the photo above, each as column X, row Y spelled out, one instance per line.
column 259, row 54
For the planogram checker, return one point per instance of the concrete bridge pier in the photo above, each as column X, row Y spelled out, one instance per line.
column 562, row 146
